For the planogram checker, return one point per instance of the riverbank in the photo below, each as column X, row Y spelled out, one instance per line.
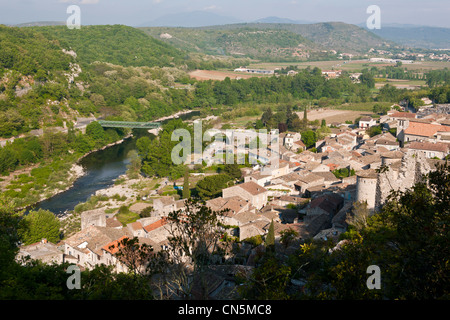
column 75, row 172
column 104, row 166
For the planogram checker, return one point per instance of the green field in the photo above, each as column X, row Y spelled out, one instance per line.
column 352, row 66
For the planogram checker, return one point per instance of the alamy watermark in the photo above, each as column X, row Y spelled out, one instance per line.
column 374, row 20
column 74, row 20
column 228, row 147
column 74, row 281
column 374, row 281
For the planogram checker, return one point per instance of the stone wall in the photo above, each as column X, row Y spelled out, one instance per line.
column 400, row 175
column 95, row 217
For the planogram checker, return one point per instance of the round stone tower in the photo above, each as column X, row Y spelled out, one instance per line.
column 366, row 187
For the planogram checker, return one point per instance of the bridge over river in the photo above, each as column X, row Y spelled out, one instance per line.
column 129, row 124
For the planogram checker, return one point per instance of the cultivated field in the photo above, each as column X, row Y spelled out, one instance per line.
column 402, row 84
column 331, row 115
column 220, row 75
column 352, row 66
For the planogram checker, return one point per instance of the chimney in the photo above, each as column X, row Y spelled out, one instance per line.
column 44, row 240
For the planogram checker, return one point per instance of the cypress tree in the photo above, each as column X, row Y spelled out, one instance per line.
column 270, row 237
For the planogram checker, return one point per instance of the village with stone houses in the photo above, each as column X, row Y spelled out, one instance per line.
column 302, row 193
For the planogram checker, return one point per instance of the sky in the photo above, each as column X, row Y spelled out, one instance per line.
column 137, row 12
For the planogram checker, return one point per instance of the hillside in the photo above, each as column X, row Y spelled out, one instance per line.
column 27, row 51
column 116, row 44
column 50, row 76
column 338, row 36
column 271, row 41
column 255, row 43
column 417, row 36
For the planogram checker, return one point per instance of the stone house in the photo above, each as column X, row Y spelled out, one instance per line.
column 308, row 180
column 251, row 191
column 86, row 245
column 259, row 178
column 408, row 131
column 328, row 204
column 430, row 150
column 167, row 204
column 96, row 217
column 276, row 171
column 250, row 224
column 110, row 250
column 136, row 229
column 280, row 189
column 44, row 251
column 367, row 122
column 234, row 205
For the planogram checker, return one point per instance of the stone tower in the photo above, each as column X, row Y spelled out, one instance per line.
column 366, row 186
column 401, row 173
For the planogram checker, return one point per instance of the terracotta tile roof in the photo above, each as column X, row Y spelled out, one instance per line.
column 136, row 225
column 403, row 115
column 332, row 166
column 113, row 246
column 329, row 203
column 440, row 147
column 156, row 225
column 113, row 223
column 235, row 204
column 93, row 238
column 252, row 187
column 425, row 129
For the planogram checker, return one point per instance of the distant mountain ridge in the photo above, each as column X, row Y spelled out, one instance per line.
column 274, row 19
column 40, row 24
column 416, row 36
column 337, row 36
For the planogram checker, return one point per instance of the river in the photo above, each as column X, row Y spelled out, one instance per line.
column 101, row 169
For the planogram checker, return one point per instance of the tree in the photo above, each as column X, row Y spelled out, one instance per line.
column 194, row 236
column 309, row 138
column 95, row 131
column 367, row 79
column 135, row 164
column 211, row 186
column 233, row 171
column 135, row 256
column 9, row 237
column 359, row 215
column 270, row 237
column 408, row 240
column 374, row 130
column 287, row 236
column 268, row 281
column 38, row 225
column 267, row 116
